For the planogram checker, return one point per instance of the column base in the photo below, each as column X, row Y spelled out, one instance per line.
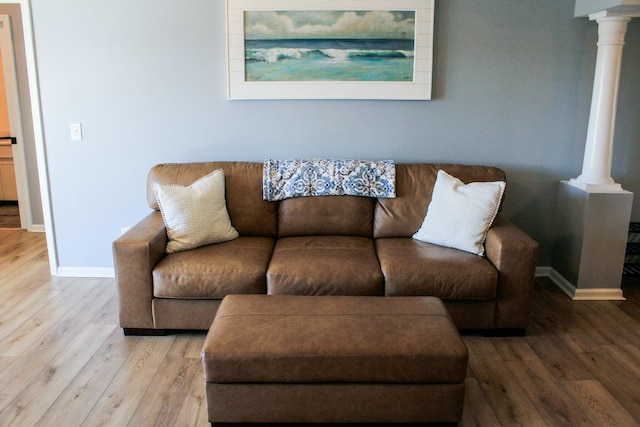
column 591, row 229
column 605, row 294
column 596, row 188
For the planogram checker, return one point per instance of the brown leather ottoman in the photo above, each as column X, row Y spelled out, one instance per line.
column 333, row 359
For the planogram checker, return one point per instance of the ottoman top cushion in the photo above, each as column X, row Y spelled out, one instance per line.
column 310, row 339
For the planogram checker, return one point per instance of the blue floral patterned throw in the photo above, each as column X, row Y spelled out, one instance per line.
column 284, row 179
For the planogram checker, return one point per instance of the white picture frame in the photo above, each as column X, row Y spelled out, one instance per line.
column 249, row 20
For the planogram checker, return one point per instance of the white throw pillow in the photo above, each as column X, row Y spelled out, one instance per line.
column 459, row 215
column 195, row 215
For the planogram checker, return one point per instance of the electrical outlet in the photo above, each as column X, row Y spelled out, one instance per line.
column 124, row 229
column 76, row 131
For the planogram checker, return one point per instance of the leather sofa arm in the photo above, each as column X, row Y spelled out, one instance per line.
column 514, row 254
column 135, row 254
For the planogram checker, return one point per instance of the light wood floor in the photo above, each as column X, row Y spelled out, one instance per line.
column 65, row 362
column 9, row 215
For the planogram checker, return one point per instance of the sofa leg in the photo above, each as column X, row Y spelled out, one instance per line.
column 144, row 332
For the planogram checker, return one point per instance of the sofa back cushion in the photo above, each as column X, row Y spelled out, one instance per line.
column 249, row 213
column 326, row 215
column 403, row 216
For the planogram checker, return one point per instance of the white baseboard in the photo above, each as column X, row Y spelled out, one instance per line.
column 597, row 294
column 543, row 271
column 36, row 228
column 86, row 272
column 562, row 283
column 603, row 294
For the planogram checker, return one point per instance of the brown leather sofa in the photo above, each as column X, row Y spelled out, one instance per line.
column 329, row 245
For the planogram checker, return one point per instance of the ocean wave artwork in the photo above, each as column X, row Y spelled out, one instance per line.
column 329, row 46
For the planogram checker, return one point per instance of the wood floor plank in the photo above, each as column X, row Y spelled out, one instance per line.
column 598, row 404
column 5, row 400
column 31, row 329
column 547, row 395
column 5, row 362
column 477, row 411
column 168, row 390
column 108, row 313
column 19, row 273
column 13, row 317
column 513, row 349
column 70, row 408
column 506, row 397
column 630, row 306
column 619, row 382
column 32, row 361
column 612, row 322
column 194, row 349
column 121, row 399
column 7, row 236
column 557, row 353
column 10, row 297
column 194, row 409
column 118, row 345
column 17, row 247
column 554, row 315
column 82, row 394
column 27, row 303
column 31, row 403
column 627, row 356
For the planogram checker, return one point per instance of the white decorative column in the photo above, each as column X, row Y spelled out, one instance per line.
column 596, row 167
column 593, row 211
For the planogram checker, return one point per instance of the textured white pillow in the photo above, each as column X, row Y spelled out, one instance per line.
column 195, row 215
column 459, row 215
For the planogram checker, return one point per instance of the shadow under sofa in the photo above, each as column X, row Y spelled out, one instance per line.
column 327, row 245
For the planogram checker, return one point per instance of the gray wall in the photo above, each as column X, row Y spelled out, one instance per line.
column 147, row 80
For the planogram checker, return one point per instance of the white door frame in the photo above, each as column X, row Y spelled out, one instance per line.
column 38, row 133
column 15, row 121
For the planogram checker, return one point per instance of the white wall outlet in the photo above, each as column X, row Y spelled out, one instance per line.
column 76, row 131
column 124, row 229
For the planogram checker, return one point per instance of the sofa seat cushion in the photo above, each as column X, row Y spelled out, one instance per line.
column 214, row 271
column 324, row 265
column 412, row 267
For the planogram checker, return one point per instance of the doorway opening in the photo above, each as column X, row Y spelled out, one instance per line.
column 15, row 186
column 9, row 210
column 33, row 194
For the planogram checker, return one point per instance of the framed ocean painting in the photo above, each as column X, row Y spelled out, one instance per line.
column 330, row 49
